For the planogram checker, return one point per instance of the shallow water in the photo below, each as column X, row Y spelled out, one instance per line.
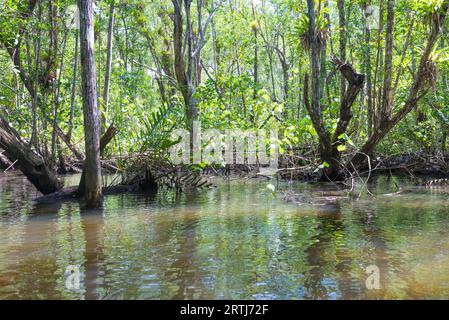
column 235, row 241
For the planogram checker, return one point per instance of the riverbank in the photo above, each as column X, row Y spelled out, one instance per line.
column 299, row 168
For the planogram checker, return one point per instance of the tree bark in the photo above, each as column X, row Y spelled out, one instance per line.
column 184, row 82
column 107, row 75
column 91, row 189
column 31, row 165
column 388, row 73
column 4, row 161
column 343, row 39
column 418, row 90
column 367, row 67
column 314, row 107
column 73, row 95
column 256, row 55
column 329, row 143
column 189, row 44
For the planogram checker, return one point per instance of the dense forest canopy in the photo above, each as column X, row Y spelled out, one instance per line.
column 342, row 81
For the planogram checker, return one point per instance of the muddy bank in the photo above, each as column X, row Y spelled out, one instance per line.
column 434, row 166
column 421, row 167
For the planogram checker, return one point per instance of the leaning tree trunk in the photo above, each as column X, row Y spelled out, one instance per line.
column 91, row 188
column 31, row 165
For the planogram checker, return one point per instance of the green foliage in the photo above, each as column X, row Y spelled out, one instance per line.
column 156, row 130
column 427, row 6
column 269, row 41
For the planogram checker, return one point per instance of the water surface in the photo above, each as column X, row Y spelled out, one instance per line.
column 235, row 241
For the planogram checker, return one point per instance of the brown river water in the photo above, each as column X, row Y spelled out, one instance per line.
column 235, row 241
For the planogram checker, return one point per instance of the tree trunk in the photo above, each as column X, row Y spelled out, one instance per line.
column 4, row 161
column 73, row 95
column 104, row 141
column 256, row 56
column 34, row 90
column 31, row 165
column 418, row 90
column 329, row 143
column 91, row 189
column 314, row 108
column 343, row 39
column 367, row 67
column 285, row 75
column 189, row 44
column 388, row 73
column 107, row 75
column 180, row 71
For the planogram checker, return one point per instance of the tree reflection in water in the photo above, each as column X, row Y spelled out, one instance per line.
column 235, row 241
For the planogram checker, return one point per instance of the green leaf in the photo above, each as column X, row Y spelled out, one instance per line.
column 266, row 97
column 343, row 136
column 341, row 148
